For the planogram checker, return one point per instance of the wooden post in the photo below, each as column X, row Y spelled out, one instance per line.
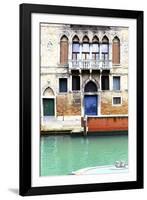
column 85, row 125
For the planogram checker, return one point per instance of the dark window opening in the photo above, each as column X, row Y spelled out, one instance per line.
column 105, row 82
column 63, row 85
column 75, row 83
column 116, row 100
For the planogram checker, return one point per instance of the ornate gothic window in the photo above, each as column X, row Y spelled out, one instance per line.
column 116, row 51
column 105, row 49
column 75, row 48
column 64, row 50
column 95, row 48
column 85, row 48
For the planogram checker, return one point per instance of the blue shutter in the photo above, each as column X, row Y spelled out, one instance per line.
column 63, row 85
column 116, row 83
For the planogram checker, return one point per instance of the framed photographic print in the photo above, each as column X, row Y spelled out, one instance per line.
column 81, row 99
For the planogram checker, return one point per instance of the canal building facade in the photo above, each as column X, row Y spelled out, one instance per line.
column 84, row 74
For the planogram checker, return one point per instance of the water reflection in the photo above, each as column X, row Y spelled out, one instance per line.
column 60, row 155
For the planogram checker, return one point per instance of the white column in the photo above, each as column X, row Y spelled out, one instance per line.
column 70, row 51
column 90, row 54
column 100, row 55
column 70, row 55
column 70, row 83
column 100, row 82
column 80, row 55
column 41, row 104
column 111, row 82
column 110, row 55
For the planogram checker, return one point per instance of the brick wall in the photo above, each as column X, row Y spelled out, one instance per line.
column 108, row 109
column 68, row 104
column 107, row 124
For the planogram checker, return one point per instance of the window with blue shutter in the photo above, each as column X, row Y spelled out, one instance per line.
column 63, row 85
column 116, row 83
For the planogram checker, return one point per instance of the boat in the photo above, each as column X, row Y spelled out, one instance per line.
column 118, row 167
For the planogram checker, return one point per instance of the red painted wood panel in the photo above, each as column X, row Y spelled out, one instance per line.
column 107, row 124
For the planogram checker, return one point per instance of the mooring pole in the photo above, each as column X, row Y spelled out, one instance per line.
column 85, row 125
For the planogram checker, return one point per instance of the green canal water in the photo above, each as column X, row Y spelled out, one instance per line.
column 60, row 155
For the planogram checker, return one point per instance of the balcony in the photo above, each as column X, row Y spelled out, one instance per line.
column 90, row 64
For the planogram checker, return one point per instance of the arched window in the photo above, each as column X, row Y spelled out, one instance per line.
column 75, row 48
column 105, row 49
column 85, row 48
column 116, row 51
column 95, row 48
column 90, row 87
column 64, row 50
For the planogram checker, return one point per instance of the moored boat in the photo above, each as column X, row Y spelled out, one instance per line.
column 119, row 167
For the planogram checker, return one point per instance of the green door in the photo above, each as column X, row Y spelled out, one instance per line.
column 48, row 107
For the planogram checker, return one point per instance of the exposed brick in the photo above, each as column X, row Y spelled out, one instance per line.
column 66, row 106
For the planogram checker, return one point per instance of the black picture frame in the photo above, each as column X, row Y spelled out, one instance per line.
column 25, row 187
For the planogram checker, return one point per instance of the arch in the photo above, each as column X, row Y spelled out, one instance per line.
column 64, row 49
column 75, row 38
column 105, row 40
column 90, row 87
column 64, row 38
column 116, row 39
column 48, row 92
column 116, row 50
column 85, row 39
column 95, row 39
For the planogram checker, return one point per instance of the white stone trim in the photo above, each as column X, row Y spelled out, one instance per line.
column 55, row 107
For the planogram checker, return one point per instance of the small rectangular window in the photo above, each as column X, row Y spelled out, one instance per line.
column 75, row 83
column 116, row 83
column 116, row 100
column 105, row 82
column 63, row 85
